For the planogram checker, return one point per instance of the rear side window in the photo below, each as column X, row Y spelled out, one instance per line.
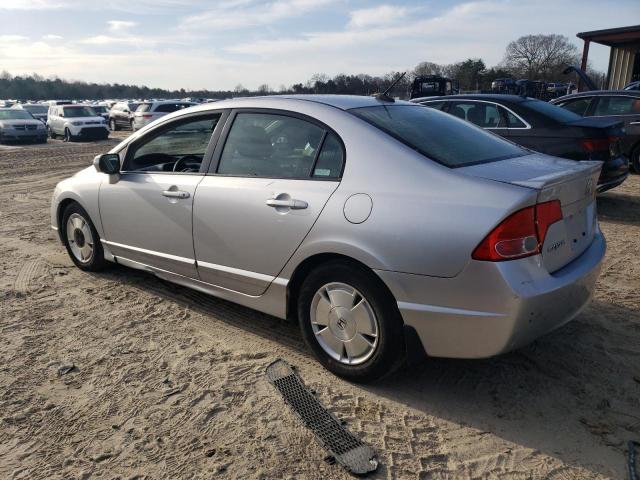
column 143, row 107
column 617, row 106
column 579, row 106
column 437, row 135
column 330, row 160
column 270, row 145
column 485, row 115
column 436, row 105
column 513, row 121
column 553, row 112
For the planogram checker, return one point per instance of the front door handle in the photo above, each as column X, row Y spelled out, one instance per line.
column 290, row 203
column 175, row 194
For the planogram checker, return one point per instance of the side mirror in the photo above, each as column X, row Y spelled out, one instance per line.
column 108, row 163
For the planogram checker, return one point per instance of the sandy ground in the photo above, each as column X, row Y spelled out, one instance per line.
column 168, row 383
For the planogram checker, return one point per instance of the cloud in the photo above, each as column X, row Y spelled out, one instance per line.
column 237, row 14
column 119, row 25
column 52, row 37
column 380, row 15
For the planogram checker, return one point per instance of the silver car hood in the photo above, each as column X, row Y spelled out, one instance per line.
column 15, row 122
column 533, row 171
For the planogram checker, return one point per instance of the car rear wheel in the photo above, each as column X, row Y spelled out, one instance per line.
column 133, row 129
column 351, row 322
column 112, row 125
column 81, row 239
column 52, row 135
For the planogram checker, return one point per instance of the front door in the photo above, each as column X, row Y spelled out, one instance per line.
column 274, row 176
column 147, row 213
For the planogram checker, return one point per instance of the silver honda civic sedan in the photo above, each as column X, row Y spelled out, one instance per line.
column 386, row 229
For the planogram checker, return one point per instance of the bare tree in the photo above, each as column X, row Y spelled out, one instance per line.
column 264, row 88
column 426, row 68
column 540, row 56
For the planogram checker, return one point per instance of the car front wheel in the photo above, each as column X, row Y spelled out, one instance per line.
column 112, row 125
column 635, row 159
column 67, row 135
column 81, row 239
column 351, row 322
column 52, row 135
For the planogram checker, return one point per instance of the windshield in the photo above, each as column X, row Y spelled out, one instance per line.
column 74, row 112
column 439, row 136
column 36, row 108
column 15, row 115
column 99, row 109
column 552, row 111
column 133, row 106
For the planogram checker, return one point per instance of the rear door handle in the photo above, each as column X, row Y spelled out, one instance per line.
column 175, row 194
column 291, row 203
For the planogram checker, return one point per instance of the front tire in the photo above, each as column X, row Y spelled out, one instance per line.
column 81, row 239
column 67, row 135
column 52, row 135
column 351, row 322
column 112, row 125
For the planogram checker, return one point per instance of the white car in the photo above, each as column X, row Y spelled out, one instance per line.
column 76, row 122
column 147, row 112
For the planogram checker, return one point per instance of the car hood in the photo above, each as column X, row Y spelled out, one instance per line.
column 12, row 123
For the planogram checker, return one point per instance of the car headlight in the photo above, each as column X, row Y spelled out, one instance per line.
column 76, row 124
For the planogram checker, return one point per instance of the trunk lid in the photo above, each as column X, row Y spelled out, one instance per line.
column 570, row 182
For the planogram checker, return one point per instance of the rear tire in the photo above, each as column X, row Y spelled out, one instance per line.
column 52, row 135
column 351, row 322
column 112, row 125
column 81, row 239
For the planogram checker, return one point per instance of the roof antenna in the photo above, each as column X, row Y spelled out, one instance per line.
column 383, row 96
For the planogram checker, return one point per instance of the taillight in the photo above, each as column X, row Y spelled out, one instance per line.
column 147, row 116
column 520, row 234
column 598, row 144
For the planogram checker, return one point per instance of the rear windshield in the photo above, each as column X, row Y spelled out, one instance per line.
column 439, row 136
column 75, row 112
column 551, row 111
column 15, row 115
column 144, row 107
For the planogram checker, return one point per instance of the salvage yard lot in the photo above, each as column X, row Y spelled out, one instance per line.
column 121, row 375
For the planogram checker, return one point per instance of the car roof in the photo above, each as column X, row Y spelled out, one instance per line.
column 343, row 102
column 598, row 93
column 495, row 97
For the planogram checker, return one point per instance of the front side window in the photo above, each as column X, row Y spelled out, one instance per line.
column 579, row 106
column 270, row 145
column 616, row 106
column 438, row 136
column 171, row 107
column 179, row 147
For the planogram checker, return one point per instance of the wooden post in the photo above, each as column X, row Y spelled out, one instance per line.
column 583, row 64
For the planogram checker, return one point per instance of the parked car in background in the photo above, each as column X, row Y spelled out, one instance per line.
column 147, row 112
column 19, row 125
column 432, row 85
column 620, row 105
column 121, row 115
column 39, row 111
column 503, row 85
column 76, row 122
column 101, row 110
column 545, row 128
column 633, row 86
column 557, row 88
column 465, row 245
column 59, row 102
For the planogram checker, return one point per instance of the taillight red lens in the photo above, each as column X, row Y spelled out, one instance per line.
column 147, row 116
column 520, row 234
column 598, row 144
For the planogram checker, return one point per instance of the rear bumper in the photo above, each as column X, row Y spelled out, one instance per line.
column 614, row 172
column 492, row 308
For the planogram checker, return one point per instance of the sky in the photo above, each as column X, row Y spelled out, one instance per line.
column 218, row 44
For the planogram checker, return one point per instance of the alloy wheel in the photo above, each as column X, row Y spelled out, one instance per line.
column 344, row 323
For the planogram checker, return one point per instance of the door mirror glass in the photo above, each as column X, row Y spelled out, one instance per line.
column 108, row 163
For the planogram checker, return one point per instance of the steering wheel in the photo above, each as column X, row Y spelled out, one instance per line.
column 188, row 163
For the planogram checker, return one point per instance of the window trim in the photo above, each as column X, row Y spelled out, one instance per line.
column 449, row 102
column 167, row 125
column 217, row 155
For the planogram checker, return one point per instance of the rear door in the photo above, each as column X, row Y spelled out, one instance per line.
column 622, row 108
column 269, row 181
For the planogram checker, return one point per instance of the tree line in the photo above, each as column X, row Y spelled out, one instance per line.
column 536, row 57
